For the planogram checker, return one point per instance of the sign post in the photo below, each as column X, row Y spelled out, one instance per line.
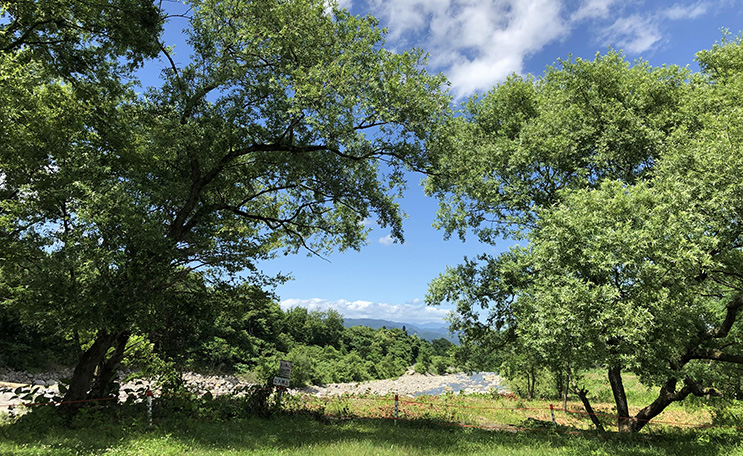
column 282, row 380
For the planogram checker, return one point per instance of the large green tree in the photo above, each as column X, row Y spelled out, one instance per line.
column 62, row 108
column 622, row 181
column 289, row 126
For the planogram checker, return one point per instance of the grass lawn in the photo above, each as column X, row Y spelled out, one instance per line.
column 429, row 425
column 304, row 435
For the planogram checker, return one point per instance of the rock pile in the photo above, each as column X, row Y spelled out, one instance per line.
column 39, row 379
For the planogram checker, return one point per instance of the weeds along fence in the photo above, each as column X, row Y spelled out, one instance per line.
column 495, row 411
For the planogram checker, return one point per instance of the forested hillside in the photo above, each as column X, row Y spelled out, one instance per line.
column 249, row 337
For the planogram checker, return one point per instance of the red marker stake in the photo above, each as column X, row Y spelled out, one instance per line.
column 149, row 405
column 396, row 408
column 552, row 411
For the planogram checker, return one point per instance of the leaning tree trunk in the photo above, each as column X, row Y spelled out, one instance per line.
column 624, row 422
column 583, row 395
column 107, row 368
column 84, row 375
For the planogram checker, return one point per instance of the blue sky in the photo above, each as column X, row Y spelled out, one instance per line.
column 476, row 44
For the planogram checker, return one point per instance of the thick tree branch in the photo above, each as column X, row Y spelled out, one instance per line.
column 717, row 355
column 668, row 395
column 179, row 227
column 730, row 316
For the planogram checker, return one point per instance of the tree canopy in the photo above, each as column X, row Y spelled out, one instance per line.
column 621, row 179
column 288, row 127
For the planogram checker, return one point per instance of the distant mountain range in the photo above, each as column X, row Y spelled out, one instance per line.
column 427, row 331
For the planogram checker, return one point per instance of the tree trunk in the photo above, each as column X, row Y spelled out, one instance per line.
column 531, row 382
column 583, row 395
column 559, row 381
column 668, row 395
column 107, row 368
column 624, row 422
column 565, row 390
column 84, row 374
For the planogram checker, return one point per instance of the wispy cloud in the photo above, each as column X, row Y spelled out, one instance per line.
column 592, row 9
column 404, row 313
column 679, row 12
column 634, row 34
column 478, row 43
column 387, row 240
column 645, row 31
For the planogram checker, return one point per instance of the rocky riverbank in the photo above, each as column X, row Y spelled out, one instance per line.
column 414, row 384
column 409, row 384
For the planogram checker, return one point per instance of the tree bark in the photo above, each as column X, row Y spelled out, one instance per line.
column 566, row 390
column 668, row 394
column 531, row 382
column 84, row 375
column 624, row 422
column 583, row 395
column 107, row 368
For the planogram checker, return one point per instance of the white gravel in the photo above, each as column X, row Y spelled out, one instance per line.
column 414, row 384
column 409, row 384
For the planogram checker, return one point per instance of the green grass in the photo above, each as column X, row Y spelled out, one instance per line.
column 46, row 434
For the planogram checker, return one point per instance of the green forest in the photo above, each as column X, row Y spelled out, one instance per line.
column 133, row 222
column 248, row 337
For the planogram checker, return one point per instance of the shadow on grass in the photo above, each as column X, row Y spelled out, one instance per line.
column 44, row 432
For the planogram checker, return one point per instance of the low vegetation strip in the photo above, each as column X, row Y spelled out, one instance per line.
column 491, row 411
column 95, row 434
column 487, row 411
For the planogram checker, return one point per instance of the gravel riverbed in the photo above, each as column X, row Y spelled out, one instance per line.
column 410, row 384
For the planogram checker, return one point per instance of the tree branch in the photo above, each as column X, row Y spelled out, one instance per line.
column 732, row 309
column 718, row 355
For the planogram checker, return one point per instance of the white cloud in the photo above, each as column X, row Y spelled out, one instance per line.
column 640, row 33
column 404, row 313
column 678, row 12
column 387, row 240
column 479, row 41
column 342, row 4
column 592, row 9
column 414, row 301
column 634, row 34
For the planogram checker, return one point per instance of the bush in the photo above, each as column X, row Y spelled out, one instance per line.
column 440, row 364
column 728, row 413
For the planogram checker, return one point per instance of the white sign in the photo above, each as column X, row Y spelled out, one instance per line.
column 285, row 369
column 280, row 381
